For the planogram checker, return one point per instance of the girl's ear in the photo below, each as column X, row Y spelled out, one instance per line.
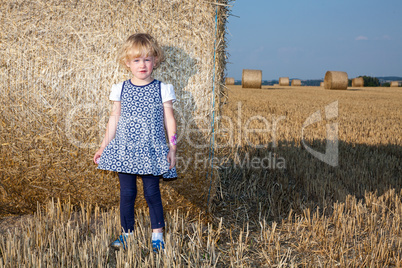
column 155, row 61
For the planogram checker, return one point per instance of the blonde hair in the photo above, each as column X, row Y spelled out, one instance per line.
column 138, row 45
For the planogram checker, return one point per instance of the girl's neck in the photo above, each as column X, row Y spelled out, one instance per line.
column 140, row 82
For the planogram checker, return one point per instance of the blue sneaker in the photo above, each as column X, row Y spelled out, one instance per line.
column 157, row 245
column 120, row 242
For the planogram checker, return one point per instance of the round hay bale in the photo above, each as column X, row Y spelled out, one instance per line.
column 394, row 84
column 65, row 74
column 336, row 80
column 229, row 81
column 296, row 83
column 358, row 82
column 251, row 78
column 284, row 81
column 322, row 84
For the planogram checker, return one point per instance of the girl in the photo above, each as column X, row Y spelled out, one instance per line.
column 135, row 141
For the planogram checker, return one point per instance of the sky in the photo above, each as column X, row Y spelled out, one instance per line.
column 305, row 38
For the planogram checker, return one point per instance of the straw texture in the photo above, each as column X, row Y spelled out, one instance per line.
column 394, row 84
column 296, row 83
column 358, row 82
column 57, row 65
column 229, row 81
column 284, row 81
column 251, row 78
column 336, row 80
column 322, row 84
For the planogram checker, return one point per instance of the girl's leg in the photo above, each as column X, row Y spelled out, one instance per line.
column 152, row 195
column 128, row 193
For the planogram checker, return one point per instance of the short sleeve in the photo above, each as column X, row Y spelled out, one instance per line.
column 167, row 92
column 116, row 92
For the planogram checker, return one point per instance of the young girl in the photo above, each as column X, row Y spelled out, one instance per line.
column 135, row 141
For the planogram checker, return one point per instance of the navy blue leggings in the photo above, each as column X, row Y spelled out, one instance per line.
column 128, row 193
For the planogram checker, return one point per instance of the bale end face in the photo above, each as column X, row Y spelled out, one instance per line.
column 284, row 81
column 229, row 81
column 296, row 83
column 336, row 80
column 251, row 78
column 358, row 82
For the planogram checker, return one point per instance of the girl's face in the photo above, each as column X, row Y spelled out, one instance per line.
column 142, row 68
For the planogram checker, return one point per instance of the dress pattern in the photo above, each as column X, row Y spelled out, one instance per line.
column 139, row 146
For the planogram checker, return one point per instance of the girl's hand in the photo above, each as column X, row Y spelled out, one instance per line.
column 171, row 157
column 98, row 155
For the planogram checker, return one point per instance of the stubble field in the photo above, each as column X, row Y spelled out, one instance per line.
column 277, row 205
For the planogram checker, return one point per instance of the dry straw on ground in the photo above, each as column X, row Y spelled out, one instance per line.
column 229, row 81
column 357, row 233
column 251, row 78
column 57, row 65
column 394, row 84
column 358, row 82
column 296, row 83
column 284, row 81
column 336, row 80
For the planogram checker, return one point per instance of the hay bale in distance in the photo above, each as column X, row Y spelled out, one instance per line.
column 394, row 84
column 284, row 81
column 229, row 81
column 251, row 78
column 358, row 82
column 322, row 84
column 336, row 80
column 296, row 83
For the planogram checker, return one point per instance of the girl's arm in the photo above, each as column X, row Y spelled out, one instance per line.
column 110, row 129
column 170, row 125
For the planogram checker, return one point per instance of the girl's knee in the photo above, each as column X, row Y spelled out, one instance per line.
column 153, row 199
column 128, row 192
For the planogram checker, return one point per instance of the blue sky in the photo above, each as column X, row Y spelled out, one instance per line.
column 305, row 38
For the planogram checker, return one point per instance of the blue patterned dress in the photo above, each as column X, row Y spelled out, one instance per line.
column 139, row 146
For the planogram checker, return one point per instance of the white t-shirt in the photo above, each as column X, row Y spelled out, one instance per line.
column 167, row 92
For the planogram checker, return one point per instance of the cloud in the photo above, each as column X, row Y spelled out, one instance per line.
column 361, row 37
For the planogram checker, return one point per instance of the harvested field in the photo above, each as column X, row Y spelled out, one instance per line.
column 292, row 210
column 368, row 142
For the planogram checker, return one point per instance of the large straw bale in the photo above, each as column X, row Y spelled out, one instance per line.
column 229, row 81
column 284, row 81
column 336, row 80
column 321, row 84
column 394, row 84
column 57, row 65
column 296, row 83
column 251, row 78
column 358, row 82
